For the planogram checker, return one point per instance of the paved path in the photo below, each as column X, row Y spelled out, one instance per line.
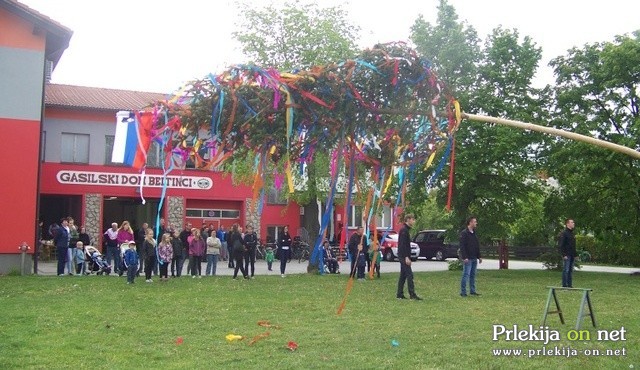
column 49, row 268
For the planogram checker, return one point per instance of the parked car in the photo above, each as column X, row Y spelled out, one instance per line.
column 432, row 245
column 389, row 247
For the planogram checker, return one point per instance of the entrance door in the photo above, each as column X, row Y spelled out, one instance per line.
column 117, row 209
column 55, row 207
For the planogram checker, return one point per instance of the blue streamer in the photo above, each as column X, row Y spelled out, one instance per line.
column 441, row 164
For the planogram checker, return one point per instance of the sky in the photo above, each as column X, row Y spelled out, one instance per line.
column 159, row 45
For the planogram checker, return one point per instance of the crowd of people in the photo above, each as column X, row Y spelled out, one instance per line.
column 163, row 252
column 146, row 252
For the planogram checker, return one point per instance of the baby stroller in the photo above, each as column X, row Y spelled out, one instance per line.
column 123, row 250
column 95, row 262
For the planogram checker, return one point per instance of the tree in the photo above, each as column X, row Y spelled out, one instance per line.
column 494, row 165
column 294, row 37
column 597, row 94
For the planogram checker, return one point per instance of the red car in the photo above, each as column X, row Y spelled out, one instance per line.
column 389, row 247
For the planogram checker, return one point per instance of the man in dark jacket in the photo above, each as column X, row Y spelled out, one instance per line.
column 470, row 254
column 61, row 241
column 356, row 244
column 404, row 256
column 568, row 250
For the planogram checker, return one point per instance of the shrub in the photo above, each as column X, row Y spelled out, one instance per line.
column 552, row 260
column 455, row 265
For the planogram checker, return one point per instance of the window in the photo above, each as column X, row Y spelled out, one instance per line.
column 275, row 196
column 273, row 232
column 355, row 216
column 108, row 151
column 230, row 214
column 75, row 148
column 213, row 213
column 385, row 219
column 154, row 157
column 194, row 213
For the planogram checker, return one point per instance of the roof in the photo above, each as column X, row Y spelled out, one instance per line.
column 58, row 36
column 82, row 97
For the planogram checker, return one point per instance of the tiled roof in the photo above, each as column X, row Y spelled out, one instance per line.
column 58, row 36
column 52, row 26
column 98, row 98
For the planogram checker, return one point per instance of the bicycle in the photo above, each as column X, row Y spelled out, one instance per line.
column 260, row 250
column 300, row 251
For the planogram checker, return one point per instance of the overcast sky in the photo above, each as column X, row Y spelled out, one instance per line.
column 158, row 45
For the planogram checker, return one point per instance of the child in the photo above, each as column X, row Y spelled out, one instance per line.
column 375, row 253
column 131, row 261
column 269, row 257
column 165, row 252
column 78, row 255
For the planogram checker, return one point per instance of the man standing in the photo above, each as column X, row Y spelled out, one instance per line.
column 568, row 250
column 61, row 241
column 470, row 254
column 140, row 235
column 404, row 255
column 221, row 234
column 357, row 243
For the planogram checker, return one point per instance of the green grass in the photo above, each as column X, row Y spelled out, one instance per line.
column 100, row 322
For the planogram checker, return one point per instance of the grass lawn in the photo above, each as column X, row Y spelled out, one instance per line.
column 100, row 322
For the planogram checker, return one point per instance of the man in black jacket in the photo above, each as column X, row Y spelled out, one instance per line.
column 568, row 249
column 470, row 254
column 404, row 256
column 357, row 244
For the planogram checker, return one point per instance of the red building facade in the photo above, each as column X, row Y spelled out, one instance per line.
column 77, row 178
column 30, row 46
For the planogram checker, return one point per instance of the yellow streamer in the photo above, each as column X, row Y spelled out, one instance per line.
column 387, row 185
column 430, row 160
column 289, row 177
column 456, row 106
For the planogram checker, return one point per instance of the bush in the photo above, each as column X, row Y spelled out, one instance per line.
column 553, row 261
column 455, row 265
column 14, row 271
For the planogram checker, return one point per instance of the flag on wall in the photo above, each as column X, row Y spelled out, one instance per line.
column 133, row 138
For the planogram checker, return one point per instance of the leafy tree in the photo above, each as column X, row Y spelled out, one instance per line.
column 451, row 46
column 597, row 94
column 495, row 166
column 295, row 37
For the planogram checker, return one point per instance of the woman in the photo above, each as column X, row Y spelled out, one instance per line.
column 251, row 242
column 234, row 239
column 213, row 250
column 125, row 235
column 149, row 251
column 196, row 251
column 73, row 239
column 165, row 253
column 284, row 249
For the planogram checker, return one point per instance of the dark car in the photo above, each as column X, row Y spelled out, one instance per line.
column 432, row 245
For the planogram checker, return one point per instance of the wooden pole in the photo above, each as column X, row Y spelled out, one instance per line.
column 554, row 131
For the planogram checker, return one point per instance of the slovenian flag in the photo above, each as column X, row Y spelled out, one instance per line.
column 133, row 138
